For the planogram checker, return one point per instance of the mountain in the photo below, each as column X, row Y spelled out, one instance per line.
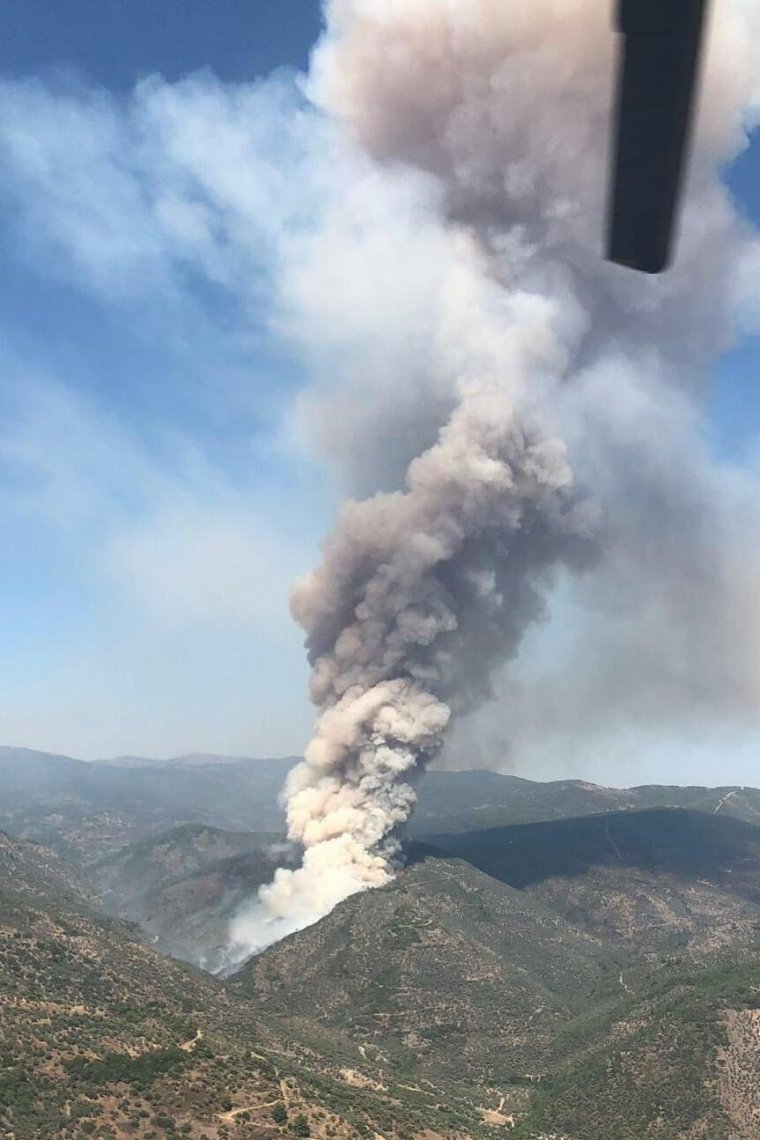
column 89, row 810
column 185, row 885
column 475, row 801
column 520, row 980
column 127, row 876
column 31, row 876
column 543, row 919
column 447, row 972
column 659, row 882
column 679, row 1061
column 450, row 974
column 103, row 1037
column 95, row 1026
column 86, row 811
column 179, row 845
column 188, row 760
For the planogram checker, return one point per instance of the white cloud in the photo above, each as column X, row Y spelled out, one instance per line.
column 167, row 208
column 173, row 532
column 176, row 633
column 132, row 197
column 212, row 208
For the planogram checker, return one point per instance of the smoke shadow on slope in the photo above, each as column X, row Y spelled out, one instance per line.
column 688, row 844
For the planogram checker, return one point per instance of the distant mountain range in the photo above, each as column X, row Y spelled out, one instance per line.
column 87, row 810
column 190, row 760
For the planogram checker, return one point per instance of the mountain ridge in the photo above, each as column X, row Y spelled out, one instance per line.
column 86, row 810
column 612, row 994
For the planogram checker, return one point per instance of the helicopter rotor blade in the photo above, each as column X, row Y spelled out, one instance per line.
column 656, row 95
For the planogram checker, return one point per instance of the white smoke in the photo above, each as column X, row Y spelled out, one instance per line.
column 550, row 385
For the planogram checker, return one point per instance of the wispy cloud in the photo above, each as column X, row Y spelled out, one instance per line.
column 174, row 586
column 268, row 272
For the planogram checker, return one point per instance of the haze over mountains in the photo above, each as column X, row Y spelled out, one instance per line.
column 89, row 808
column 556, row 960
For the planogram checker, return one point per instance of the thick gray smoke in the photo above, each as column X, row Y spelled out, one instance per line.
column 539, row 401
column 421, row 594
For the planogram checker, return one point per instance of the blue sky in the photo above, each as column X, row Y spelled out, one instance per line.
column 154, row 501
column 141, row 411
column 114, row 43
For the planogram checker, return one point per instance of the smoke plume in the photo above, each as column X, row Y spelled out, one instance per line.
column 536, row 414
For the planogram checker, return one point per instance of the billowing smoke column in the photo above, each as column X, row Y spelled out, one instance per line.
column 420, row 595
column 427, row 588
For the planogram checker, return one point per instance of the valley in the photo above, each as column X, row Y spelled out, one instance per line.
column 593, row 975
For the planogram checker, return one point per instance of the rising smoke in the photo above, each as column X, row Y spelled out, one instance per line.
column 552, row 387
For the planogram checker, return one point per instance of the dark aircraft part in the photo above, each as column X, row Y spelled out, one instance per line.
column 657, row 83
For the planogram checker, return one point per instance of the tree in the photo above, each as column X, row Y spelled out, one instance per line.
column 279, row 1113
column 301, row 1126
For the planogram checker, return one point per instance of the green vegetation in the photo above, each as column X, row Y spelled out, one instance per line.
column 102, row 1037
column 573, row 978
column 121, row 1068
column 660, row 1063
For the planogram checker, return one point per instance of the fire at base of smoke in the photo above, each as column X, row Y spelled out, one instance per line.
column 426, row 591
